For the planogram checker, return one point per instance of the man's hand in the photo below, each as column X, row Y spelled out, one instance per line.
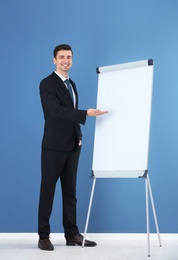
column 95, row 112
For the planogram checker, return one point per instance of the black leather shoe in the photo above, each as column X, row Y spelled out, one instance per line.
column 77, row 241
column 45, row 244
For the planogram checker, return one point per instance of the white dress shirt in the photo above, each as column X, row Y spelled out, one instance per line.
column 63, row 79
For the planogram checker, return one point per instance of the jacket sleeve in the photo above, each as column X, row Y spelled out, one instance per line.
column 58, row 106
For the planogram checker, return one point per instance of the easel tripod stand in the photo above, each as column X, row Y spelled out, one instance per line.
column 148, row 192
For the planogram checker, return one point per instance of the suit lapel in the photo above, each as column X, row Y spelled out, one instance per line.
column 75, row 91
column 63, row 86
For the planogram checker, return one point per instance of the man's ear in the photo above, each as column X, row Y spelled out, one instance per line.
column 54, row 60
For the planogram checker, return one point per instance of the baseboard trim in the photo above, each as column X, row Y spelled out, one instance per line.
column 92, row 235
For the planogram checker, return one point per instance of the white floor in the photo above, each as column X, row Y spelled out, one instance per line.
column 110, row 247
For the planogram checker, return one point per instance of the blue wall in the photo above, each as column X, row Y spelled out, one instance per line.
column 101, row 33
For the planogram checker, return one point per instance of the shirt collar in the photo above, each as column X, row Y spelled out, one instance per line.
column 62, row 77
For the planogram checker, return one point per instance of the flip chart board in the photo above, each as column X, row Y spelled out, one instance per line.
column 121, row 142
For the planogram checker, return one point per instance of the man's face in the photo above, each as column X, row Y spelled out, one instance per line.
column 63, row 62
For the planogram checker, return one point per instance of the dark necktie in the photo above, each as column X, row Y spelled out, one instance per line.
column 69, row 88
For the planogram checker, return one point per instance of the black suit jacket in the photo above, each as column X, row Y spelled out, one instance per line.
column 62, row 121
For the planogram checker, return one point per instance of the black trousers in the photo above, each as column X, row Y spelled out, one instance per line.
column 55, row 165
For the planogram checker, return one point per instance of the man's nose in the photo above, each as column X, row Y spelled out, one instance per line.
column 65, row 60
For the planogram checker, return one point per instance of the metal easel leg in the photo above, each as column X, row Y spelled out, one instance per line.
column 147, row 216
column 154, row 211
column 89, row 209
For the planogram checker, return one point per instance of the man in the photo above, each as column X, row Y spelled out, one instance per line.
column 61, row 146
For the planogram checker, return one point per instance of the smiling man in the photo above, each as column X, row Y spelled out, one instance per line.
column 63, row 61
column 61, row 145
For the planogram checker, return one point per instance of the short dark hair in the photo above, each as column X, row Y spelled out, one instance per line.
column 62, row 47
